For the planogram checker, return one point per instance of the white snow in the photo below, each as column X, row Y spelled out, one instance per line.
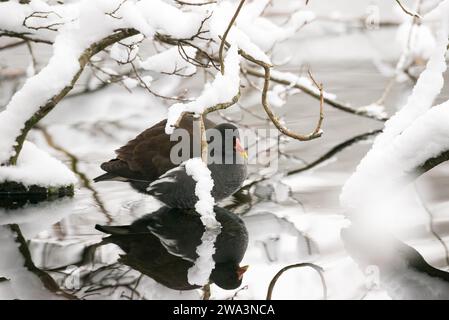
column 199, row 172
column 219, row 22
column 263, row 32
column 276, row 96
column 222, row 90
column 419, row 38
column 171, row 61
column 130, row 83
column 85, row 23
column 70, row 42
column 123, row 53
column 147, row 80
column 36, row 167
column 413, row 135
column 374, row 110
column 200, row 272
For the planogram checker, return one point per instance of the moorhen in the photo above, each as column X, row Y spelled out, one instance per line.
column 162, row 245
column 145, row 163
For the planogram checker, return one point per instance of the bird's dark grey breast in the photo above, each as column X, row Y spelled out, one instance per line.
column 177, row 189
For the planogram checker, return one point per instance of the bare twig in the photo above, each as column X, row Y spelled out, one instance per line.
column 145, row 85
column 23, row 36
column 338, row 148
column 12, row 45
column 276, row 121
column 332, row 102
column 407, row 11
column 42, row 15
column 195, row 4
column 293, row 266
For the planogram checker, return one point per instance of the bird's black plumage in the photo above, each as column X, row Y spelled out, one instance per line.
column 163, row 246
column 146, row 163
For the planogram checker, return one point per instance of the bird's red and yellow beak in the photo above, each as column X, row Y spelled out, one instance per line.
column 239, row 148
column 241, row 271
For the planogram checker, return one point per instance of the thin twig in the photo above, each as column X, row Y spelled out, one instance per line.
column 12, row 45
column 298, row 265
column 276, row 121
column 195, row 4
column 338, row 148
column 332, row 102
column 145, row 85
column 225, row 35
column 407, row 11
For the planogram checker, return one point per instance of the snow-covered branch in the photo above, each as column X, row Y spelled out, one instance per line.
column 414, row 140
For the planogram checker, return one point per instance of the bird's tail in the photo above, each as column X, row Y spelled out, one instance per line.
column 109, row 177
column 113, row 230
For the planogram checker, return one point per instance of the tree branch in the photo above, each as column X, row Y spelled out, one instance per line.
column 293, row 266
column 225, row 35
column 334, row 103
column 51, row 103
column 407, row 11
column 335, row 150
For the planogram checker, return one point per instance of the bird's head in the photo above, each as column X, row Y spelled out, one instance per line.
column 228, row 276
column 225, row 144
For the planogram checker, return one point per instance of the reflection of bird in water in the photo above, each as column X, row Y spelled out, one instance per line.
column 162, row 245
column 146, row 162
column 402, row 270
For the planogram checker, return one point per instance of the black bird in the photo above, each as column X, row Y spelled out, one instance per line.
column 162, row 245
column 145, row 162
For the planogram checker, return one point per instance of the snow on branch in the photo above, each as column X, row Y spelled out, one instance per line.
column 171, row 61
column 200, row 272
column 77, row 40
column 414, row 140
column 221, row 93
column 35, row 167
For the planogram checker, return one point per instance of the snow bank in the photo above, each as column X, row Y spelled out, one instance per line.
column 200, row 272
column 35, row 167
column 222, row 90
